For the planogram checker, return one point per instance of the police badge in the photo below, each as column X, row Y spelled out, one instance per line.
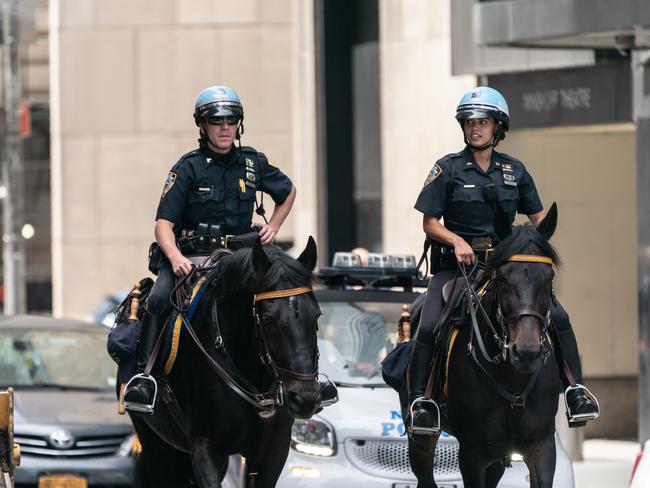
column 435, row 172
column 169, row 182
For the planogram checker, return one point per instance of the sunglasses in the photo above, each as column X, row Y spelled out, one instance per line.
column 221, row 119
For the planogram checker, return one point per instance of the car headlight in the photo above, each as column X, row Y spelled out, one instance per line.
column 314, row 437
column 130, row 447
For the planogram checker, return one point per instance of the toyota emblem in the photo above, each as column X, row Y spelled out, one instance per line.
column 61, row 439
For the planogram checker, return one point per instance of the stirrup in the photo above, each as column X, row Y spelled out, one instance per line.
column 141, row 407
column 332, row 400
column 581, row 418
column 430, row 406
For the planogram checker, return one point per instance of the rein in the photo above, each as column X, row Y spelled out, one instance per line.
column 265, row 402
column 517, row 400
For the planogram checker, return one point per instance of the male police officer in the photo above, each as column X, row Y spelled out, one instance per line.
column 210, row 191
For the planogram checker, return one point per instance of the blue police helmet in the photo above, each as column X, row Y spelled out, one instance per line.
column 483, row 102
column 217, row 101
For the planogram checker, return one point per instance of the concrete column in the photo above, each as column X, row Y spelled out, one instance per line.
column 641, row 104
column 303, row 124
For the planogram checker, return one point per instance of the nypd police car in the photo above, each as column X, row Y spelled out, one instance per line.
column 360, row 441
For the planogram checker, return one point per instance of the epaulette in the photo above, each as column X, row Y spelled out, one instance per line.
column 449, row 157
column 188, row 155
column 249, row 149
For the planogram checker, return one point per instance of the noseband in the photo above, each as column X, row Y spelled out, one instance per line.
column 265, row 352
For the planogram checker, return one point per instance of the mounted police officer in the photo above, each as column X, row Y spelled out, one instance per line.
column 463, row 188
column 207, row 201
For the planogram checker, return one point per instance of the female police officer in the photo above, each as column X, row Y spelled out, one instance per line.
column 210, row 191
column 461, row 188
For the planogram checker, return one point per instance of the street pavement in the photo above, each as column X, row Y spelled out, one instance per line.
column 607, row 464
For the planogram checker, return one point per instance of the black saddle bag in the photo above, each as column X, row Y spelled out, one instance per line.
column 122, row 342
column 393, row 369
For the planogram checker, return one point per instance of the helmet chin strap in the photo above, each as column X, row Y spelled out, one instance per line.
column 494, row 143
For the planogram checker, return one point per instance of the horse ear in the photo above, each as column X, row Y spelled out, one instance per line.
column 310, row 255
column 502, row 225
column 548, row 224
column 261, row 262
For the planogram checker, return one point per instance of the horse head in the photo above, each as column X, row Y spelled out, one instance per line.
column 523, row 268
column 287, row 314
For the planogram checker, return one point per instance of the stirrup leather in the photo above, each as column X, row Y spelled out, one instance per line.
column 430, row 406
column 581, row 417
column 142, row 407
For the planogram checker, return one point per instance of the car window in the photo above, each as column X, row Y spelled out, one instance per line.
column 354, row 338
column 73, row 359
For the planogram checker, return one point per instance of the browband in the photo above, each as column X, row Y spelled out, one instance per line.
column 530, row 258
column 281, row 293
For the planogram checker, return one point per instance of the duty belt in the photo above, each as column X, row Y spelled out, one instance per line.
column 193, row 242
column 482, row 247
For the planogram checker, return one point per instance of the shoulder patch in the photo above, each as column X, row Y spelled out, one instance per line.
column 435, row 172
column 169, row 183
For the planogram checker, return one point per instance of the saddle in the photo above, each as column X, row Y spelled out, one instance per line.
column 452, row 318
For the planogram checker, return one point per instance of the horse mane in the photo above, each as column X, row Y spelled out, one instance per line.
column 235, row 273
column 522, row 239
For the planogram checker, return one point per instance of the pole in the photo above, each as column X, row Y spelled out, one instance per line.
column 641, row 104
column 12, row 168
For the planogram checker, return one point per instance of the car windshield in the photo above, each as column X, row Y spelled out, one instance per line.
column 354, row 338
column 55, row 358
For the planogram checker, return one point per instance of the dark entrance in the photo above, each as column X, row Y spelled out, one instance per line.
column 347, row 43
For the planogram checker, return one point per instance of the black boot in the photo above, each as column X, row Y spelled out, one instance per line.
column 424, row 415
column 140, row 392
column 581, row 404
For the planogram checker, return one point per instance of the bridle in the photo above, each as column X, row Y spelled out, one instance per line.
column 545, row 319
column 265, row 352
column 474, row 304
column 266, row 403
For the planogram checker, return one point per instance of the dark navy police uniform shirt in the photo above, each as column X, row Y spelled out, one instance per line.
column 455, row 191
column 205, row 187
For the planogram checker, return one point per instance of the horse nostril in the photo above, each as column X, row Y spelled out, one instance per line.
column 296, row 399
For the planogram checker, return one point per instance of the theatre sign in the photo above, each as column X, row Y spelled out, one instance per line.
column 577, row 96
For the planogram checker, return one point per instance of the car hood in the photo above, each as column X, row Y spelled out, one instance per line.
column 366, row 413
column 66, row 408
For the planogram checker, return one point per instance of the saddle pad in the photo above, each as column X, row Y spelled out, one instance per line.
column 170, row 348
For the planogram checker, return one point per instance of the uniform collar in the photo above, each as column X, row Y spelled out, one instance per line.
column 470, row 161
column 212, row 157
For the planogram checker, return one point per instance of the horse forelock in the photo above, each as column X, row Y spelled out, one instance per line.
column 235, row 273
column 524, row 239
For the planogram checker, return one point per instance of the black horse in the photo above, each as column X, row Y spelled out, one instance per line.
column 257, row 320
column 503, row 398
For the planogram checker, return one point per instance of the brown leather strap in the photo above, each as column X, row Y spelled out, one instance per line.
column 156, row 348
column 430, row 382
column 524, row 312
column 568, row 373
column 298, row 376
column 530, row 258
column 281, row 293
column 248, row 396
